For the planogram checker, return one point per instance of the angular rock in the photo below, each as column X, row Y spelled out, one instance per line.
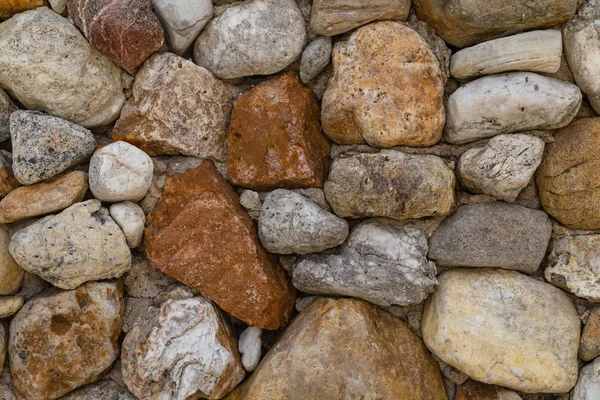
column 8, row 8
column 588, row 384
column 503, row 167
column 11, row 275
column 44, row 146
column 390, row 184
column 144, row 281
column 315, row 58
column 6, row 109
column 131, row 219
column 127, row 31
column 91, row 97
column 8, row 182
column 494, row 235
column 327, row 353
column 568, row 176
column 504, row 328
column 250, row 347
column 120, row 172
column 251, row 202
column 220, row 254
column 103, row 390
column 332, row 17
column 10, row 305
column 80, row 244
column 589, row 346
column 508, row 103
column 62, row 340
column 256, row 37
column 275, row 138
column 473, row 390
column 44, row 198
column 537, row 51
column 380, row 67
column 291, row 224
column 167, row 115
column 464, row 24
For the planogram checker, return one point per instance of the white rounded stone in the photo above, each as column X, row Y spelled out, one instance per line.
column 250, row 347
column 131, row 219
column 588, row 384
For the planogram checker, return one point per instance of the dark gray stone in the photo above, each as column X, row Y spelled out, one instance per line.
column 104, row 390
column 6, row 108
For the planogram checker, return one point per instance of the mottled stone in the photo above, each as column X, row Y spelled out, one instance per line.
column 8, row 8
column 103, row 390
column 589, row 347
column 275, row 138
column 252, row 203
column 588, row 384
column 144, row 281
column 11, row 275
column 167, row 115
column 80, row 244
column 328, row 353
column 220, row 254
column 10, row 305
column 381, row 67
column 6, row 109
column 504, row 328
column 127, row 31
column 131, row 219
column 62, row 340
column 183, row 20
column 60, row 6
column 250, row 347
column 473, row 390
column 256, row 37
column 92, row 96
column 8, row 182
column 315, row 58
column 390, row 184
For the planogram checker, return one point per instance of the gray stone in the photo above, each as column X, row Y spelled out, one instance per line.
column 382, row 262
column 256, row 37
column 144, row 281
column 292, row 224
column 251, row 202
column 80, row 244
column 78, row 83
column 497, row 235
column 103, row 390
column 315, row 58
column 32, row 285
column 44, row 146
column 11, row 275
column 9, row 305
column 6, row 108
column 250, row 347
column 588, row 383
column 131, row 219
column 60, row 6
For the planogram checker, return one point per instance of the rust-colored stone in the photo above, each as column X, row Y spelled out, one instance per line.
column 275, row 138
column 8, row 8
column 200, row 235
column 8, row 182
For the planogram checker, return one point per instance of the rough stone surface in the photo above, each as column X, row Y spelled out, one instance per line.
column 494, row 235
column 588, row 384
column 275, row 138
column 120, row 172
column 127, row 31
column 291, row 224
column 473, row 390
column 143, row 281
column 8, row 8
column 62, row 340
column 327, row 353
column 103, row 390
column 44, row 146
column 11, row 275
column 10, row 305
column 463, row 24
column 382, row 261
column 503, row 167
column 382, row 67
column 220, row 254
column 167, row 115
column 60, row 6
column 256, row 37
column 507, row 103
column 315, row 58
column 568, row 176
column 6, row 109
column 390, row 184
column 50, row 43
column 252, row 203
column 80, row 244
column 43, row 198
column 250, row 347
column 131, row 219
column 589, row 347
column 8, row 182
column 504, row 328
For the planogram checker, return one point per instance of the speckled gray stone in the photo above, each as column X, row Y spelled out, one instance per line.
column 315, row 58
column 6, row 108
column 588, row 383
column 103, row 390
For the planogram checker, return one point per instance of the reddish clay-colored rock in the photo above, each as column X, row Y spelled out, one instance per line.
column 275, row 138
column 127, row 31
column 200, row 235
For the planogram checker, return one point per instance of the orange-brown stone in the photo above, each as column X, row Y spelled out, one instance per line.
column 8, row 182
column 200, row 235
column 8, row 8
column 275, row 138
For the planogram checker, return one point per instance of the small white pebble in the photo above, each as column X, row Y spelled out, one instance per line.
column 249, row 345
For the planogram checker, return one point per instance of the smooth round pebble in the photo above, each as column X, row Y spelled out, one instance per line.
column 249, row 346
column 131, row 219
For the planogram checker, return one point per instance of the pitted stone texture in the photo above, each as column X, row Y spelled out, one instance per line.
column 508, row 103
column 588, row 384
column 250, row 345
column 143, row 281
column 381, row 67
column 6, row 109
column 8, row 8
column 8, row 182
column 589, row 347
column 62, row 340
column 11, row 275
column 504, row 328
column 131, row 219
column 103, row 390
column 167, row 115
column 50, row 43
column 80, row 244
column 390, row 184
column 315, row 58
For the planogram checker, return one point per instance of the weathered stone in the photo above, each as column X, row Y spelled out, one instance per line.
column 220, row 254
column 62, row 340
column 315, row 58
column 43, row 198
column 390, row 184
column 10, row 305
column 275, row 139
column 503, row 167
column 256, row 37
column 60, row 6
column 44, row 146
column 327, row 353
column 507, row 103
column 380, row 67
column 32, row 285
column 495, row 235
column 291, row 224
column 8, row 8
column 332, row 17
column 8, row 182
column 103, row 390
column 473, row 390
column 251, row 202
column 589, row 347
column 131, row 219
column 463, row 24
column 183, row 21
column 588, row 384
column 167, row 115
column 80, row 244
column 504, row 328
column 6, row 109
column 48, row 42
column 11, row 275
column 250, row 347
column 144, row 281
column 568, row 176
column 127, row 31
